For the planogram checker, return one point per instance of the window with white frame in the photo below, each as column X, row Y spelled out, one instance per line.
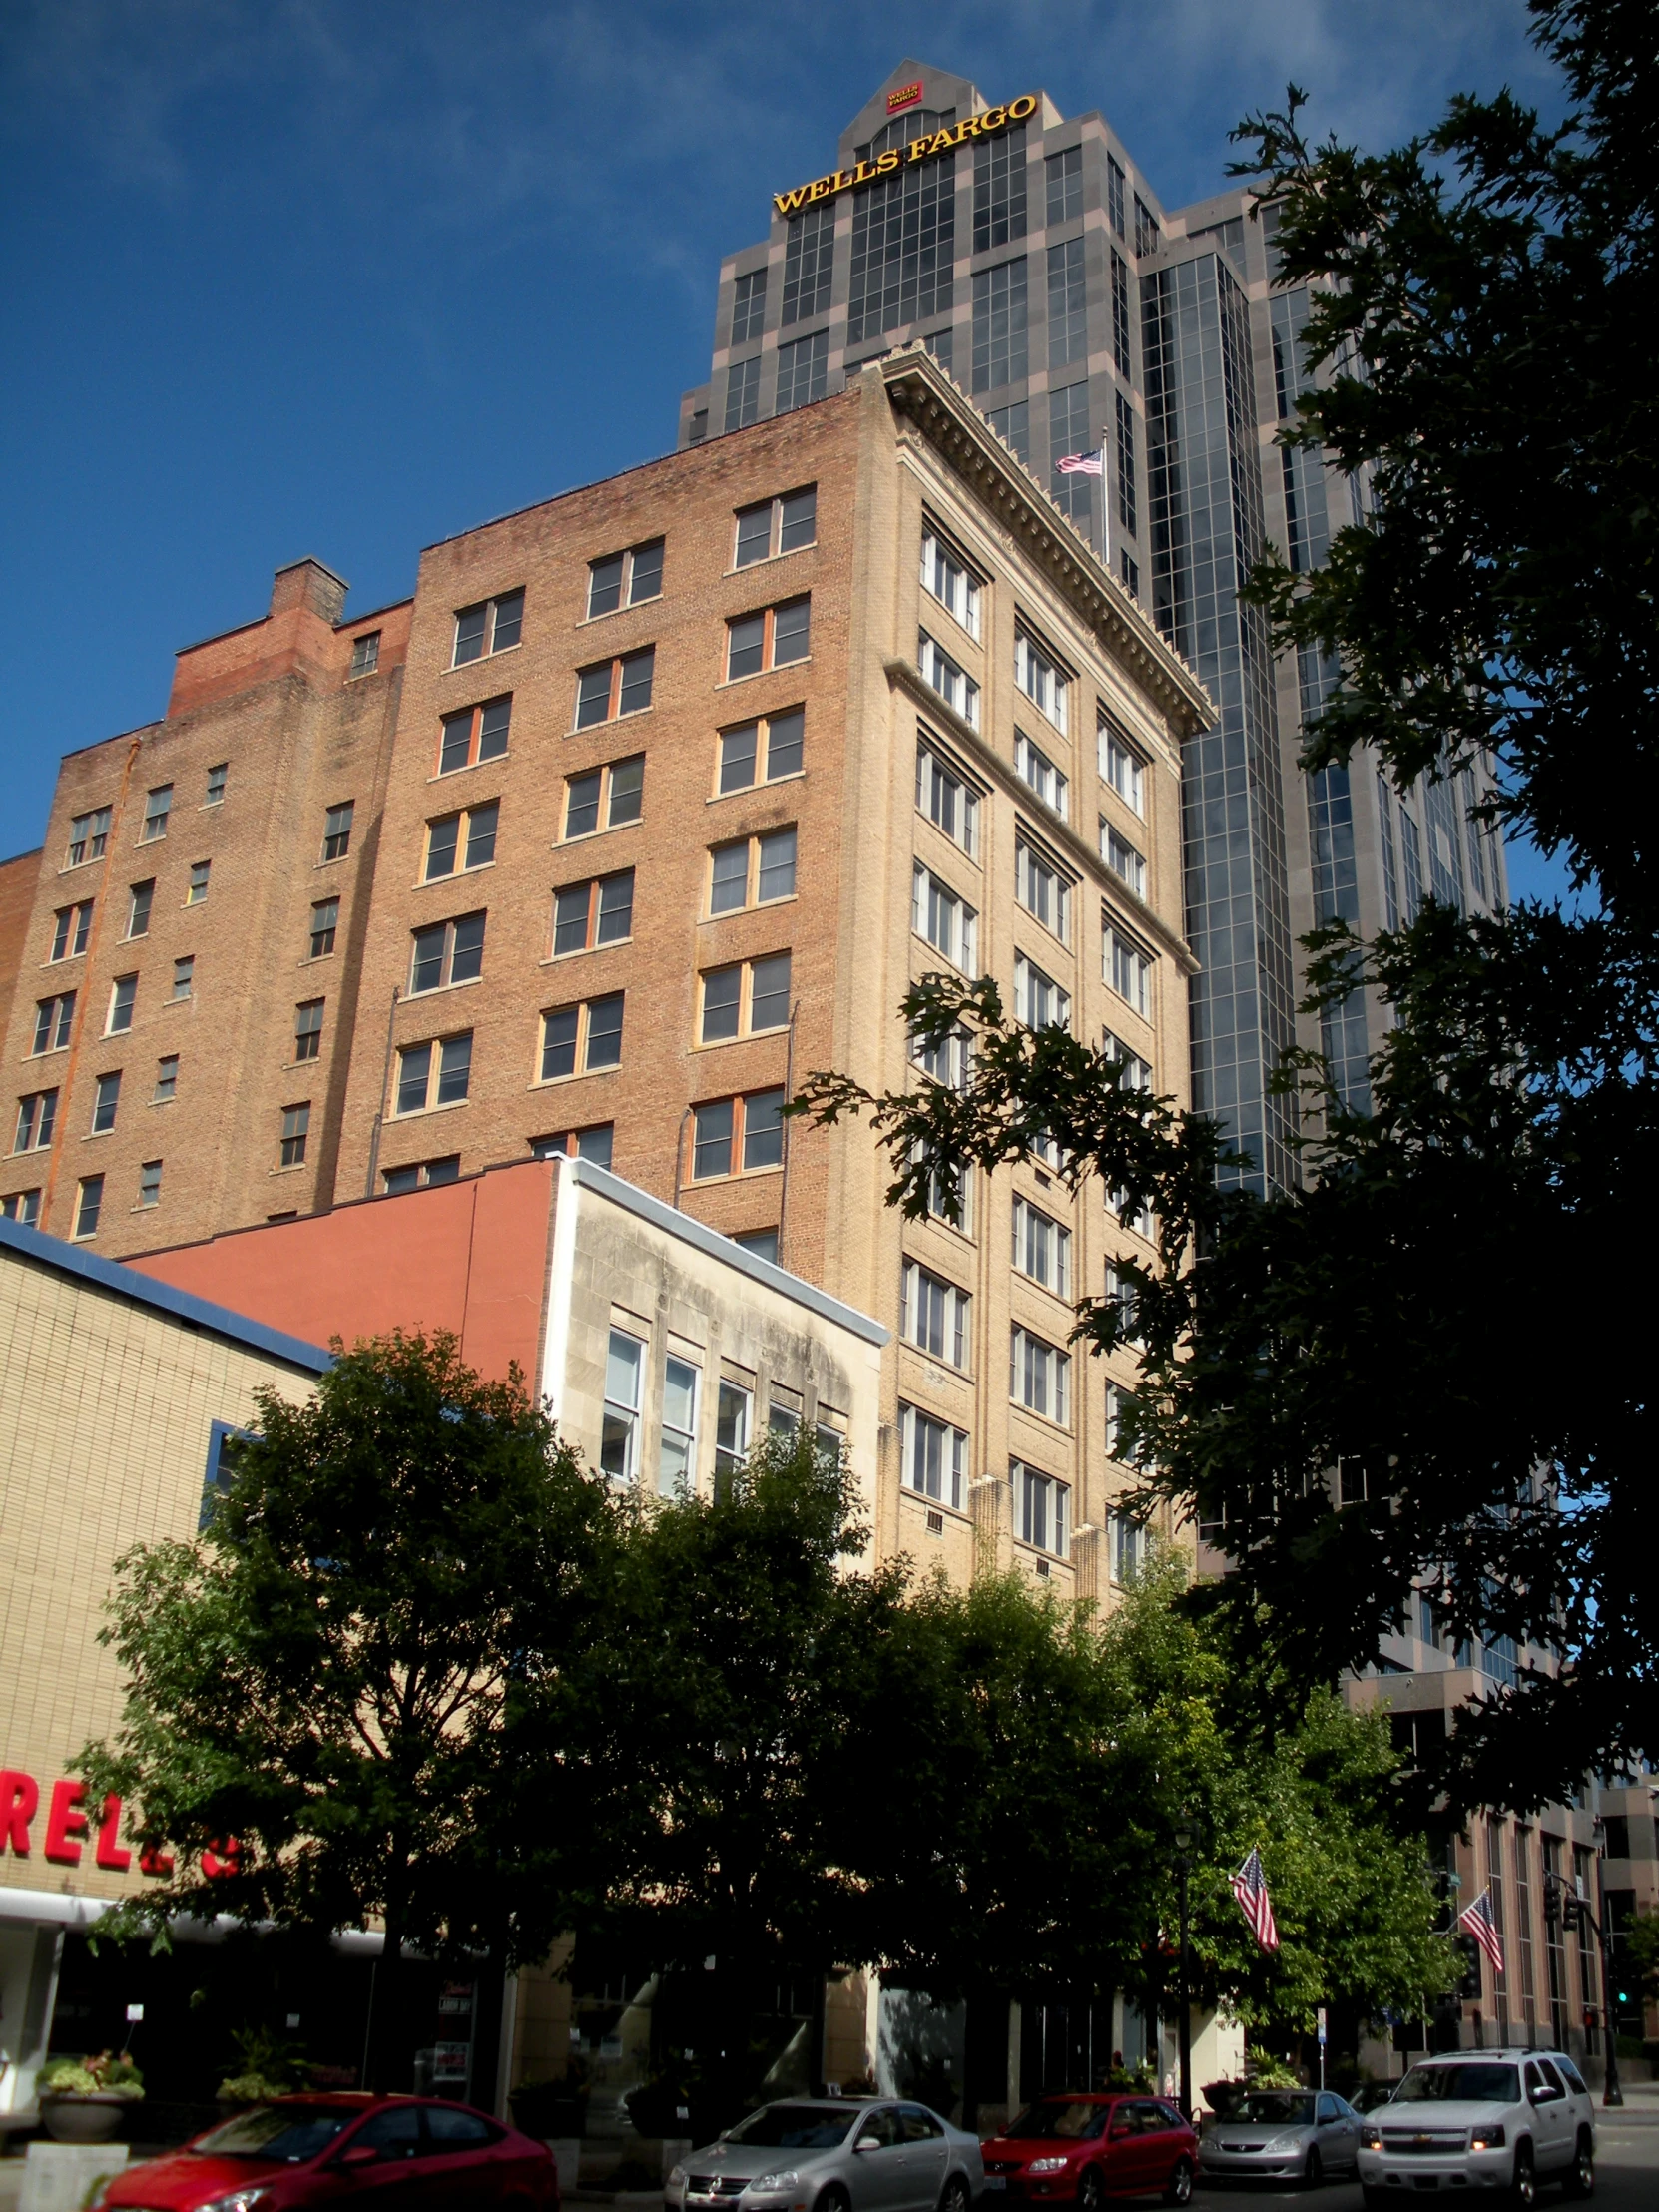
column 734, row 1425
column 952, row 583
column 949, row 678
column 934, row 1314
column 945, row 796
column 1137, row 1217
column 676, row 1450
column 1039, row 1002
column 1137, row 1074
column 1042, row 888
column 950, row 924
column 949, row 1192
column 1040, row 1377
column 1127, row 1539
column 1122, row 859
column 1034, row 766
column 619, row 1433
column 934, row 1458
column 946, row 1062
column 1042, row 1248
column 1123, row 1293
column 1122, row 767
column 1127, row 966
column 1041, row 1509
column 1040, row 676
column 1118, row 1403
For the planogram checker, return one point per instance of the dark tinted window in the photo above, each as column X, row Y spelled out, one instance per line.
column 1072, row 2119
column 882, row 2128
column 1273, row 2108
column 797, row 2127
column 395, row 2134
column 452, row 2130
column 1470, row 2084
column 291, row 2132
column 920, row 2124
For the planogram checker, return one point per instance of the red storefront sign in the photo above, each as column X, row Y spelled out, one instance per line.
column 67, row 1828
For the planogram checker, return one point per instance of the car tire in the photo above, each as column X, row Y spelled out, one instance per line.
column 957, row 2196
column 1581, row 2174
column 1313, row 2172
column 1089, row 2191
column 1523, row 2185
column 1180, row 2190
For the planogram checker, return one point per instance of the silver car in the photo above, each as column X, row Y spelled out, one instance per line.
column 1287, row 2135
column 1498, row 2120
column 833, row 2154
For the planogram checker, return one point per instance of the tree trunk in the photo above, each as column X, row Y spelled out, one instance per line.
column 388, row 2047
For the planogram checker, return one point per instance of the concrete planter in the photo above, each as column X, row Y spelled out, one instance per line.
column 82, row 2116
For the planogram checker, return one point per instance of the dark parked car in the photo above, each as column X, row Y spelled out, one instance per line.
column 1081, row 2148
column 391, row 2154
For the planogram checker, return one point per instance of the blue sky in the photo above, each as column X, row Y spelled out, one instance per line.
column 343, row 276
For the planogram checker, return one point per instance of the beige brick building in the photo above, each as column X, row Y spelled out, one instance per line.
column 655, row 797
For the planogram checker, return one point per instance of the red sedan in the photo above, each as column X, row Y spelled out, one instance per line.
column 1079, row 2149
column 389, row 2154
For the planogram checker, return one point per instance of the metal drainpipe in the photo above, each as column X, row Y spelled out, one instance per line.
column 385, row 1078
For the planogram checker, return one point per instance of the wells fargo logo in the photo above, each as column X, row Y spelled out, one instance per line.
column 897, row 157
column 905, row 96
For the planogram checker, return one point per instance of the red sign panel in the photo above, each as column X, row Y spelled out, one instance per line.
column 905, row 96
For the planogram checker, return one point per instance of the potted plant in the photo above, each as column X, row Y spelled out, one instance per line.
column 82, row 2100
column 265, row 2068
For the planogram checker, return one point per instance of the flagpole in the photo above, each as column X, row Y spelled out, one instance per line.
column 1105, row 508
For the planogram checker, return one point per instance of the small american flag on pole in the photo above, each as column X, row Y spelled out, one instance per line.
column 1481, row 1923
column 1250, row 1887
column 1082, row 464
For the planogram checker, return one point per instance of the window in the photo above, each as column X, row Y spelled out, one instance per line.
column 780, row 525
column 1041, row 887
column 167, row 1080
column 1114, row 194
column 365, row 654
column 89, row 1203
column 1122, row 859
column 89, row 834
column 751, row 871
column 619, row 1436
column 139, row 898
column 576, row 1144
column 934, row 1458
column 1128, row 1547
column 776, row 740
column 585, row 1037
column 742, row 394
column 904, row 241
column 54, row 1017
column 999, row 189
column 1012, row 425
column 1125, row 463
column 1127, row 966
column 802, row 372
column 337, row 830
column 70, row 928
column 1041, row 1377
column 625, row 579
column 1040, row 676
column 734, row 1135
column 734, row 1417
column 774, row 638
column 952, row 583
column 933, row 1314
column 1138, row 1217
column 1146, row 228
column 297, row 1128
column 489, row 627
column 196, row 890
column 420, row 1175
column 475, row 734
column 611, row 795
column 122, row 993
column 1065, row 176
column 1122, row 767
column 1131, row 572
column 325, row 922
column 1042, row 1508
column 448, row 1060
column 106, row 1097
column 1137, row 1074
column 1039, row 1001
column 612, row 689
column 945, row 799
column 809, row 261
column 1042, row 1248
column 762, row 1243
column 1034, row 764
column 1122, row 1294
column 1068, row 317
column 157, row 807
column 1120, row 312
column 149, row 1183
column 948, row 1061
column 677, row 1449
column 183, row 976
column 749, row 307
column 447, row 952
column 593, row 913
column 23, row 1207
column 953, row 683
column 950, row 924
column 37, row 1117
column 999, row 326
column 746, row 998
column 466, row 839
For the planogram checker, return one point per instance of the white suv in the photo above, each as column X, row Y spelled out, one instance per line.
column 1499, row 2120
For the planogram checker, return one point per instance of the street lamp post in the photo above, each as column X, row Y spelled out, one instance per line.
column 1183, row 2011
column 1611, row 2093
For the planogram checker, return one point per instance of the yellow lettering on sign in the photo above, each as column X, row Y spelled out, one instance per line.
column 787, row 202
column 918, row 149
column 821, row 189
column 993, row 119
column 887, row 162
column 1019, row 108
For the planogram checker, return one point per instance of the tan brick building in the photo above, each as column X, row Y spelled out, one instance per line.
column 654, row 797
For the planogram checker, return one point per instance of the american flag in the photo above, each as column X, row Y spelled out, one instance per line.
column 1250, row 1887
column 1082, row 464
column 1481, row 1921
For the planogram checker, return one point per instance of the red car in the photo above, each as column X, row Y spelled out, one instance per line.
column 388, row 2154
column 1078, row 2149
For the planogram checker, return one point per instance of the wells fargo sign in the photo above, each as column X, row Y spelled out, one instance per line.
column 921, row 149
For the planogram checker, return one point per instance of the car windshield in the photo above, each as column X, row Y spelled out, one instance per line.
column 1066, row 2118
column 1465, row 2084
column 289, row 2133
column 1273, row 2108
column 796, row 2126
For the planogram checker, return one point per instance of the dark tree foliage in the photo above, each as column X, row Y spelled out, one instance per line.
column 1431, row 1364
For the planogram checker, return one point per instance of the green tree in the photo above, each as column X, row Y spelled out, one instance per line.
column 344, row 1672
